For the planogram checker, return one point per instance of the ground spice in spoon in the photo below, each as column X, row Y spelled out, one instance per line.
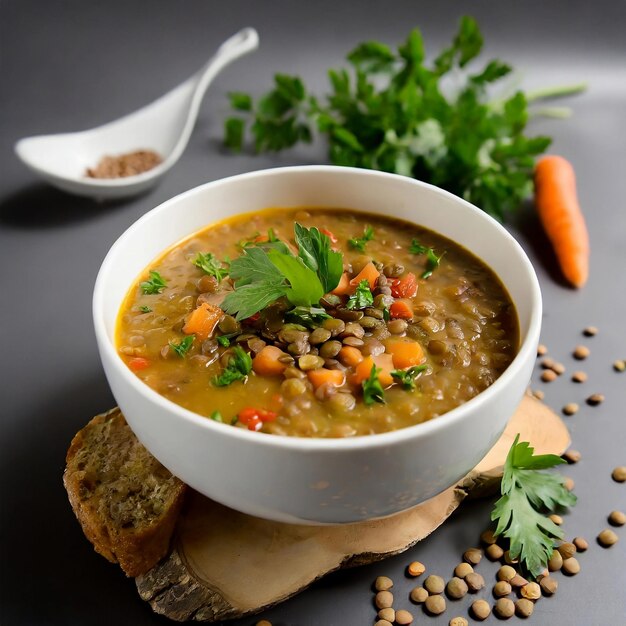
column 123, row 165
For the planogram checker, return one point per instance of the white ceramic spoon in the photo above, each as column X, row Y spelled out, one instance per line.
column 164, row 126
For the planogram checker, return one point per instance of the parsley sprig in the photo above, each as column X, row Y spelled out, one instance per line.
column 238, row 368
column 527, row 493
column 407, row 377
column 432, row 258
column 362, row 297
column 372, row 388
column 183, row 346
column 211, row 265
column 358, row 243
column 155, row 283
column 395, row 112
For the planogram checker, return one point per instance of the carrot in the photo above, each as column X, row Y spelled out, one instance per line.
column 266, row 362
column 405, row 353
column 562, row 218
column 405, row 287
column 383, row 361
column 368, row 273
column 350, row 356
column 203, row 320
column 343, row 288
column 323, row 376
column 401, row 309
column 138, row 363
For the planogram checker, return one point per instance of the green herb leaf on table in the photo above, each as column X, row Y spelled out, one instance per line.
column 395, row 112
column 183, row 346
column 211, row 265
column 372, row 388
column 238, row 368
column 362, row 297
column 155, row 283
column 358, row 243
column 527, row 493
column 407, row 377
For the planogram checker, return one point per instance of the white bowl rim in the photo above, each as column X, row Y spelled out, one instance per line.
column 358, row 442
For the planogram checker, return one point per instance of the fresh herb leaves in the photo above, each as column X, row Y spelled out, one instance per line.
column 145, row 309
column 407, row 377
column 527, row 493
column 372, row 388
column 307, row 316
column 238, row 368
column 216, row 416
column 183, row 346
column 155, row 284
column 262, row 276
column 362, row 297
column 358, row 243
column 432, row 259
column 394, row 112
column 211, row 265
column 417, row 248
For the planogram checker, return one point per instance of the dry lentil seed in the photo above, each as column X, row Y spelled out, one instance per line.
column 264, row 622
column 480, row 610
column 558, row 368
column 463, row 569
column 524, row 607
column 547, row 363
column 557, row 519
column 416, row 569
column 494, row 552
column 383, row 622
column 541, row 350
column 571, row 566
column 502, row 588
column 594, row 399
column 456, row 588
column 580, row 543
column 532, row 591
column 507, row 573
column 581, row 352
column 617, row 518
column 383, row 583
column 572, row 456
column 383, row 599
column 619, row 365
column 508, row 560
column 547, row 376
column 540, row 395
column 473, row 556
column 435, row 605
column 579, row 377
column 488, row 537
column 389, row 614
column 569, row 484
column 607, row 538
column 619, row 474
column 548, row 585
column 319, row 335
column 434, row 584
column 475, row 582
column 555, row 562
column 418, row 595
column 458, row 621
column 504, row 608
column 567, row 549
column 403, row 617
column 590, row 331
column 571, row 408
column 517, row 582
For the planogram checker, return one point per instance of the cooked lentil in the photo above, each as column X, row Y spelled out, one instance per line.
column 607, row 538
column 463, row 306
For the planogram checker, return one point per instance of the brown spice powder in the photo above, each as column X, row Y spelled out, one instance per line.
column 123, row 165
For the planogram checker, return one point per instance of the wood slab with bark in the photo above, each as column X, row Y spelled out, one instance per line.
column 225, row 564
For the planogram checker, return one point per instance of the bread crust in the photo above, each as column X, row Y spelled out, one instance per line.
column 96, row 460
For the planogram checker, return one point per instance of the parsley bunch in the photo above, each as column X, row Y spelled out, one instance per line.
column 396, row 113
column 527, row 493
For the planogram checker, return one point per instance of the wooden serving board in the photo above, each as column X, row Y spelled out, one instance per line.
column 225, row 564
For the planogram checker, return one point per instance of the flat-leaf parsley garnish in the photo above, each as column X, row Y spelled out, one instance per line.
column 527, row 493
column 238, row 368
column 358, row 243
column 362, row 297
column 372, row 388
column 407, row 377
column 183, row 346
column 211, row 265
column 155, row 283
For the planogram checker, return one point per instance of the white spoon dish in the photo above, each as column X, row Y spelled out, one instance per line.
column 163, row 126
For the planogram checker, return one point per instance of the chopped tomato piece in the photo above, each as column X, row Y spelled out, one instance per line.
column 405, row 287
column 138, row 363
column 255, row 423
column 245, row 415
column 254, row 418
column 401, row 309
column 329, row 234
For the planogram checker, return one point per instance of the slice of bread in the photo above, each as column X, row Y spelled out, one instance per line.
column 126, row 502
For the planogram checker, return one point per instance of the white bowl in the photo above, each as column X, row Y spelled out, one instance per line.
column 313, row 481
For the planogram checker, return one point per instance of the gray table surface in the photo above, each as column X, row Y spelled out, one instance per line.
column 69, row 65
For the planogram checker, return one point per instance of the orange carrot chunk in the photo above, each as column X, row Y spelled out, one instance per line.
column 383, row 361
column 323, row 376
column 138, row 363
column 401, row 309
column 203, row 320
column 343, row 288
column 368, row 273
column 405, row 353
column 266, row 362
column 562, row 219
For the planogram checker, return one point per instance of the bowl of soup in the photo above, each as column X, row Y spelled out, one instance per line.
column 317, row 344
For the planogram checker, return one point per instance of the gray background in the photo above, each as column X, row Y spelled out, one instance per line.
column 69, row 65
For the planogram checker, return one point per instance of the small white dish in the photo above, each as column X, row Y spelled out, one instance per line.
column 164, row 126
column 313, row 481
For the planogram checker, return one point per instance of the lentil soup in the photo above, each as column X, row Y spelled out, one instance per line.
column 317, row 323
